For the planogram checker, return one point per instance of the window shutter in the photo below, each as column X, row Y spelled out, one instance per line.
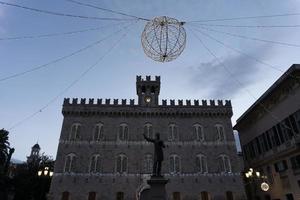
column 119, row 164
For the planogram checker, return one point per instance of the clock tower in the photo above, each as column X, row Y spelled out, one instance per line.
column 148, row 90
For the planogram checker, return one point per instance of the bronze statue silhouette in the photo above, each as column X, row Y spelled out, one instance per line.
column 158, row 153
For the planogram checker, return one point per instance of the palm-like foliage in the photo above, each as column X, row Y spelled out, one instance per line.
column 4, row 146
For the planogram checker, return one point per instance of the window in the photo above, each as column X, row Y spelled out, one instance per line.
column 120, row 196
column 289, row 196
column 70, row 163
column 229, row 195
column 121, row 165
column 176, row 196
column 92, row 196
column 280, row 166
column 65, row 195
column 205, row 196
column 123, row 132
column 148, row 130
column 95, row 164
column 75, row 132
column 224, row 164
column 201, row 163
column 198, row 132
column 173, row 132
column 174, row 164
column 148, row 163
column 220, row 132
column 297, row 119
column 295, row 162
column 98, row 132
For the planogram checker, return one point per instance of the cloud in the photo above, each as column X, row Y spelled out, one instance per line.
column 218, row 82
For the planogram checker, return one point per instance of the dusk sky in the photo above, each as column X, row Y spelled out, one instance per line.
column 195, row 74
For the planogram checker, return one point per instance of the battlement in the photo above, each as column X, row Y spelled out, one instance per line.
column 165, row 102
column 148, row 78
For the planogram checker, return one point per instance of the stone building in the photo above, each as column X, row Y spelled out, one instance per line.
column 102, row 153
column 270, row 138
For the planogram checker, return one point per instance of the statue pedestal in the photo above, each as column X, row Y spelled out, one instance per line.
column 157, row 189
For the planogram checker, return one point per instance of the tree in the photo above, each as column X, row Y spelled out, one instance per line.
column 4, row 148
column 5, row 156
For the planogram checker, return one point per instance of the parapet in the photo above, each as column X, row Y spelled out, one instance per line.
column 165, row 103
column 148, row 78
column 196, row 102
column 91, row 101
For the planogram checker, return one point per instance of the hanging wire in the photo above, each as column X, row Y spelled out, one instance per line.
column 62, row 14
column 60, row 58
column 252, row 38
column 250, row 26
column 245, row 54
column 247, row 17
column 240, row 83
column 59, row 34
column 107, row 10
column 73, row 82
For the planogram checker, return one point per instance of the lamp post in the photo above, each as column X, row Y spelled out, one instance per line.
column 253, row 176
column 44, row 175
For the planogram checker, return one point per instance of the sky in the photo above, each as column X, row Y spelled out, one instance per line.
column 195, row 74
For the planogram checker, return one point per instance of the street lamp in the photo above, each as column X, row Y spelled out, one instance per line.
column 45, row 176
column 45, row 172
column 255, row 175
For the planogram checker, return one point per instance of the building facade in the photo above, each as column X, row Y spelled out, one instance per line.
column 102, row 153
column 270, row 138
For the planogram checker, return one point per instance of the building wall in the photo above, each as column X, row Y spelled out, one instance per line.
column 282, row 103
column 107, row 181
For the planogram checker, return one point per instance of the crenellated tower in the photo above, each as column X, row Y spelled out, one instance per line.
column 147, row 90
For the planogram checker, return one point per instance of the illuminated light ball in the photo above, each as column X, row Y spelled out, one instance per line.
column 163, row 39
column 265, row 186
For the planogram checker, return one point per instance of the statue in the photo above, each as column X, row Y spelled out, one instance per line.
column 158, row 153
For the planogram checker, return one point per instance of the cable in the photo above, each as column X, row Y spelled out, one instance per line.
column 60, row 14
column 58, row 34
column 241, row 84
column 72, row 83
column 58, row 59
column 247, row 17
column 250, row 26
column 252, row 38
column 244, row 54
column 107, row 10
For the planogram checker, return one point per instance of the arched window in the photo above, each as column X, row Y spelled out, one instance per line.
column 201, row 163
column 75, row 131
column 198, row 132
column 120, row 196
column 176, row 196
column 205, row 195
column 65, row 195
column 123, row 132
column 95, row 163
column 174, row 164
column 148, row 130
column 220, row 133
column 92, row 196
column 98, row 132
column 173, row 132
column 121, row 163
column 70, row 163
column 224, row 164
column 148, row 163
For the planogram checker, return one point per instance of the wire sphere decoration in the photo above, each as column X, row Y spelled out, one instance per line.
column 163, row 39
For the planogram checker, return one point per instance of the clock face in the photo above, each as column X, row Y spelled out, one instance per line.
column 147, row 99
